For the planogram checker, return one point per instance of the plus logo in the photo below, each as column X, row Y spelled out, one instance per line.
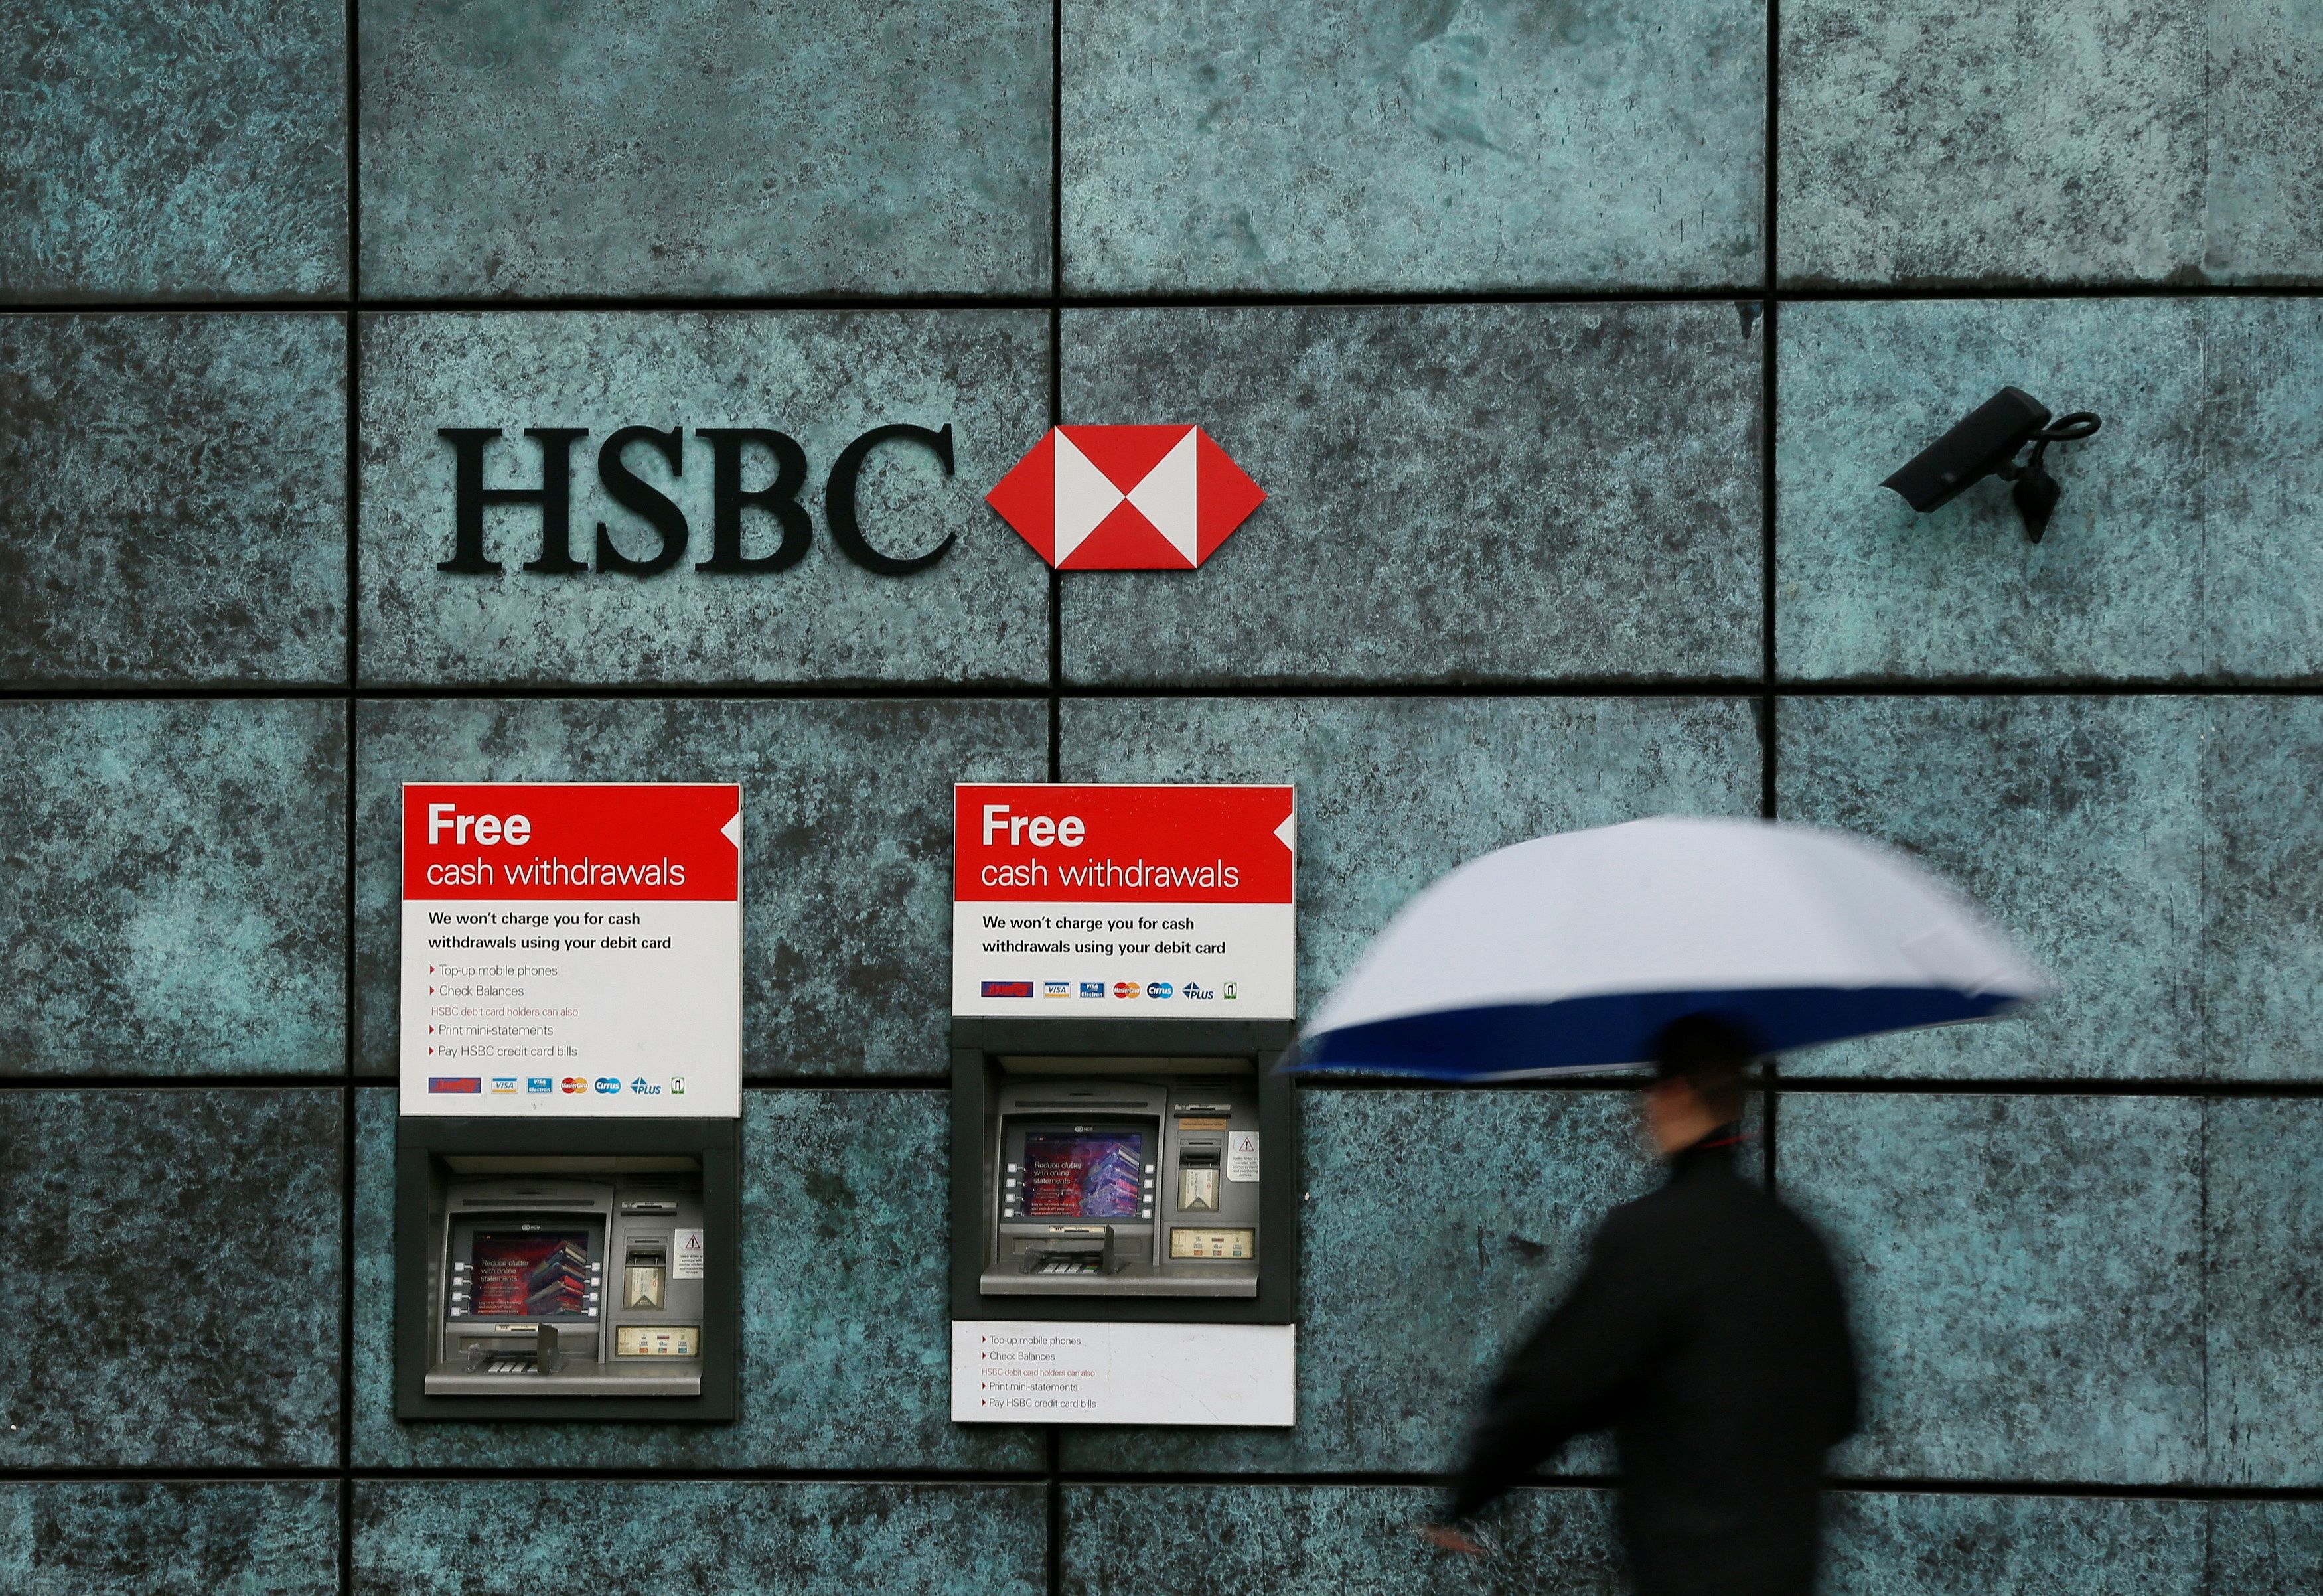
column 735, row 454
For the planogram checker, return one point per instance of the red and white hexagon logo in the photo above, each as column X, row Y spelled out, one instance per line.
column 1125, row 498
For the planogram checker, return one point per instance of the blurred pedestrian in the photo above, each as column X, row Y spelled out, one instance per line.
column 1707, row 1331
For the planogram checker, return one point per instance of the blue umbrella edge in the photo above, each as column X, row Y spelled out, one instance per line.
column 1610, row 1029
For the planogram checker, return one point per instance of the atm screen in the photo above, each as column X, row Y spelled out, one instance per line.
column 533, row 1273
column 1083, row 1174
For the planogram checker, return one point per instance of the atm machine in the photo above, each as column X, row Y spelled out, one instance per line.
column 1123, row 1170
column 567, row 1183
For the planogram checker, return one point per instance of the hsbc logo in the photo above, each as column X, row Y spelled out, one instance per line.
column 1125, row 498
column 1086, row 497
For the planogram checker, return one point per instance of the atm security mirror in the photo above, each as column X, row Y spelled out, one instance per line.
column 1123, row 1184
column 590, row 1274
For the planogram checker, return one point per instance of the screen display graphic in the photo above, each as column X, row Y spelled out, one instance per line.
column 532, row 1274
column 1083, row 1174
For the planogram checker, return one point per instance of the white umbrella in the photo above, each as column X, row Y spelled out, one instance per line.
column 1574, row 951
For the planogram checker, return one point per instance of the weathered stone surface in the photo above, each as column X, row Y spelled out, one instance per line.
column 1326, row 1540
column 1394, row 791
column 2265, row 1548
column 106, row 1538
column 837, row 146
column 2077, row 822
column 1459, row 493
column 1920, row 1545
column 172, row 887
column 2263, row 886
column 2090, row 141
column 2185, row 545
column 184, row 149
column 2025, row 1276
column 176, row 503
column 2264, row 1214
column 979, row 615
column 846, row 1342
column 174, row 1257
column 719, row 1537
column 1514, row 1184
column 847, row 845
column 1230, row 144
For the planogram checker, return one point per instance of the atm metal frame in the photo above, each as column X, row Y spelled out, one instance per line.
column 978, row 1041
column 716, row 1143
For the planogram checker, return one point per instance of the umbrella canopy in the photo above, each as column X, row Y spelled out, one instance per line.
column 1574, row 951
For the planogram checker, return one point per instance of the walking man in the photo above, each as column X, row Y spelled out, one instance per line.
column 1708, row 1332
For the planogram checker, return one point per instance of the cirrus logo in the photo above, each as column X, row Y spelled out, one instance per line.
column 1157, row 988
column 607, row 1085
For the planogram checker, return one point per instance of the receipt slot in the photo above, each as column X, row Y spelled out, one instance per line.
column 570, row 1271
column 1123, row 1170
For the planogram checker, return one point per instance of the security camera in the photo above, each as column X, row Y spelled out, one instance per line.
column 1985, row 444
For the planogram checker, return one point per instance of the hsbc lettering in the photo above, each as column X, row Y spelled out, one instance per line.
column 735, row 454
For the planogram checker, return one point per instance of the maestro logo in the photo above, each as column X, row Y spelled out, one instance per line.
column 1125, row 498
column 574, row 1083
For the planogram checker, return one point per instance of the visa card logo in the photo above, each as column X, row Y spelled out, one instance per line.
column 504, row 1085
column 1008, row 989
column 1056, row 988
column 455, row 1083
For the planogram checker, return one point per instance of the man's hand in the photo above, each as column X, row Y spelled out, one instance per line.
column 1444, row 1538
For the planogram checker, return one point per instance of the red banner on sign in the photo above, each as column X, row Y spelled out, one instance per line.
column 1121, row 844
column 652, row 842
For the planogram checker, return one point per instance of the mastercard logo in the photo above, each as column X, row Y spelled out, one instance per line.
column 1124, row 989
column 574, row 1083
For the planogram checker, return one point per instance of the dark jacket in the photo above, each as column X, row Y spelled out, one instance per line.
column 1709, row 1332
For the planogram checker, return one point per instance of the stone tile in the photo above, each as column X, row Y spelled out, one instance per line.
column 2185, row 545
column 424, row 1538
column 2265, row 1548
column 2262, row 967
column 1941, row 142
column 2262, row 199
column 176, row 887
column 1866, row 590
column 979, row 615
column 1408, row 1309
column 846, row 1336
column 840, row 146
column 104, row 1537
column 1459, row 493
column 1977, row 141
column 1394, row 791
column 2025, row 1277
column 2077, row 822
column 847, row 864
column 2264, row 1215
column 1230, row 144
column 1326, row 1540
column 1919, row 1544
column 186, row 149
column 175, row 1257
column 177, row 503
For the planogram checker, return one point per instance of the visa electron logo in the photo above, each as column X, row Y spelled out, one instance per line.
column 1157, row 988
column 1125, row 498
column 538, row 1083
column 1092, row 988
column 607, row 1085
column 574, row 1083
column 1124, row 989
